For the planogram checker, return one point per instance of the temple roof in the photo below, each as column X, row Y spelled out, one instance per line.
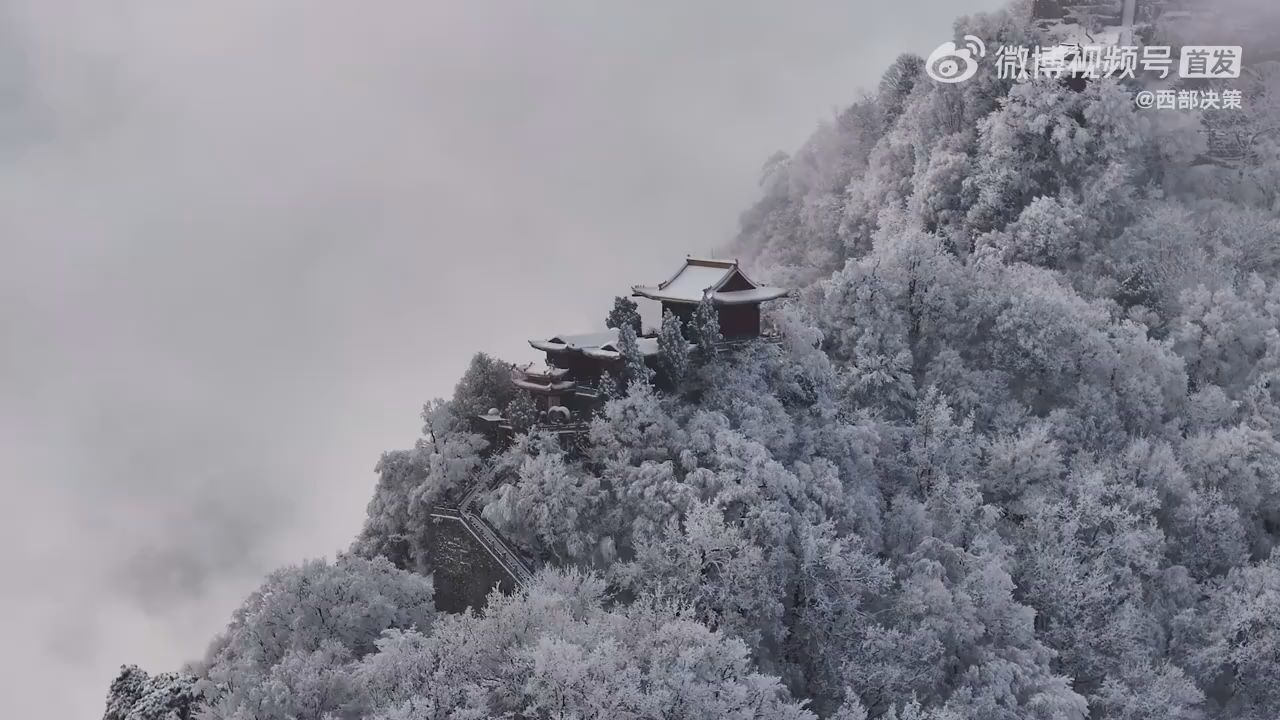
column 599, row 345
column 610, row 351
column 584, row 341
column 720, row 280
column 538, row 371
column 544, row 386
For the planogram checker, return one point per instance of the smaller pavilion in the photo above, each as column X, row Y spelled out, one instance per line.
column 574, row 366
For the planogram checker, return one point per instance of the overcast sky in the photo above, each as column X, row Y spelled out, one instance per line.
column 244, row 241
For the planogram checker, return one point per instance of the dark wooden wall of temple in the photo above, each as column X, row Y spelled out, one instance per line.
column 740, row 321
column 683, row 311
column 581, row 368
column 736, row 321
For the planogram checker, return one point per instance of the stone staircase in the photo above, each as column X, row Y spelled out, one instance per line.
column 466, row 513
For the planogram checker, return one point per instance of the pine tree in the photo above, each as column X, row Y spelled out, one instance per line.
column 706, row 327
column 608, row 386
column 635, row 369
column 135, row 695
column 625, row 313
column 522, row 413
column 486, row 384
column 673, row 349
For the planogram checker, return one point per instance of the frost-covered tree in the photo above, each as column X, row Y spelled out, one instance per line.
column 288, row 649
column 673, row 350
column 1231, row 642
column 706, row 327
column 625, row 313
column 552, row 501
column 558, row 652
column 443, row 462
column 635, row 370
column 485, row 385
column 609, row 386
column 521, row 412
column 135, row 695
column 707, row 563
column 897, row 83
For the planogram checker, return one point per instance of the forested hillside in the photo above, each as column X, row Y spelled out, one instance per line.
column 1014, row 457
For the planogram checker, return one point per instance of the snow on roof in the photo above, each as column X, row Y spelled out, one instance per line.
column 1080, row 52
column 744, row 297
column 539, row 370
column 703, row 277
column 1062, row 20
column 648, row 346
column 598, row 345
column 582, row 341
column 543, row 387
column 696, row 278
column 1073, row 34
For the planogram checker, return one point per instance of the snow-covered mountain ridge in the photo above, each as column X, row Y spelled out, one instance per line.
column 1013, row 455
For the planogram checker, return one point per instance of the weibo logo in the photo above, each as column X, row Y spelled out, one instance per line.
column 951, row 64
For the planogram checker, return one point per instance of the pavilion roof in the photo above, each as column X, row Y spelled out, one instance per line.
column 599, row 345
column 578, row 343
column 610, row 351
column 704, row 278
column 549, row 386
column 539, row 371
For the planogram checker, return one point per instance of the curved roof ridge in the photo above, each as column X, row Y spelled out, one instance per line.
column 701, row 278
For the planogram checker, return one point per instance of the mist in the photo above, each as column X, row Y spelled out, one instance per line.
column 243, row 242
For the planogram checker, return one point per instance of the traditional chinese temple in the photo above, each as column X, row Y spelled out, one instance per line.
column 736, row 297
column 548, row 384
column 470, row 556
column 567, row 385
column 575, row 365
